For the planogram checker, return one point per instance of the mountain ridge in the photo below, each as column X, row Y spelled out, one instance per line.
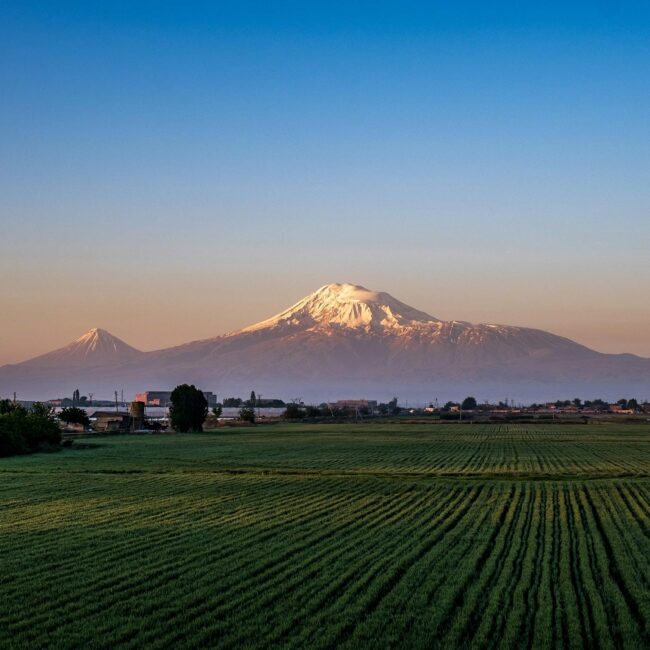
column 346, row 339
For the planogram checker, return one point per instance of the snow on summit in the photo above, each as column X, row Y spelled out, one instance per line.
column 346, row 305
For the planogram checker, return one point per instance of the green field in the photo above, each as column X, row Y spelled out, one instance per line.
column 403, row 535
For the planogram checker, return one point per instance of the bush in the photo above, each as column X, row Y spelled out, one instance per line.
column 12, row 441
column 247, row 415
column 23, row 431
column 293, row 412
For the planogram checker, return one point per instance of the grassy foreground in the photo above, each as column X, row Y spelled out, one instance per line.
column 332, row 536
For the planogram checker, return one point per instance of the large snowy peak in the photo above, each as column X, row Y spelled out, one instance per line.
column 348, row 306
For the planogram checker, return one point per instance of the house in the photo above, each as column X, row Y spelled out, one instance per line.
column 355, row 404
column 163, row 397
column 111, row 421
column 619, row 410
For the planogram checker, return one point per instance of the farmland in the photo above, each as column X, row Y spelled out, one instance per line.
column 392, row 535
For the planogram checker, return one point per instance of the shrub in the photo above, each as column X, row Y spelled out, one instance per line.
column 293, row 412
column 247, row 415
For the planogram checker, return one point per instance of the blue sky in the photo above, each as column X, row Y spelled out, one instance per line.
column 481, row 161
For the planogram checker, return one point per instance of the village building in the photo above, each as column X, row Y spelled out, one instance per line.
column 163, row 397
column 112, row 421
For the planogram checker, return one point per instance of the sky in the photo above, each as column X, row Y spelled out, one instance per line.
column 171, row 171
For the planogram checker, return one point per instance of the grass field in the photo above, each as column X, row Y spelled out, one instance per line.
column 332, row 536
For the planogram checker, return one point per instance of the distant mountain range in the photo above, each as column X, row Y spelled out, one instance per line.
column 343, row 341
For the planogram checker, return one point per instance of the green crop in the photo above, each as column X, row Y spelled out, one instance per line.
column 353, row 536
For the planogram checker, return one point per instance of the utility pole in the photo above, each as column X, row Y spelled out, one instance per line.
column 116, row 409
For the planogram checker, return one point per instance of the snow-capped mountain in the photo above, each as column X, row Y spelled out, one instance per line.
column 344, row 340
column 96, row 347
column 349, row 306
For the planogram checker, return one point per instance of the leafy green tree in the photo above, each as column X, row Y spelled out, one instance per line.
column 74, row 415
column 23, row 431
column 632, row 404
column 469, row 403
column 247, row 414
column 188, row 408
column 253, row 399
column 217, row 411
column 293, row 412
column 41, row 430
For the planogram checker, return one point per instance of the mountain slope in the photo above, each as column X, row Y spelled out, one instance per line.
column 344, row 340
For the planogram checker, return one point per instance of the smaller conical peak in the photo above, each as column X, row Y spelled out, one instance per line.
column 347, row 305
column 95, row 346
column 98, row 340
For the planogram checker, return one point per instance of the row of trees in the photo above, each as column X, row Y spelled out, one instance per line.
column 254, row 401
column 24, row 431
column 468, row 404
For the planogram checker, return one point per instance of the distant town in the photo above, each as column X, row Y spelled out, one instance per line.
column 149, row 410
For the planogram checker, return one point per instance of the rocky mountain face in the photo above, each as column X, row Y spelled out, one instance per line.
column 345, row 341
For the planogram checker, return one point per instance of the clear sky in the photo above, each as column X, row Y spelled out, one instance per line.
column 176, row 170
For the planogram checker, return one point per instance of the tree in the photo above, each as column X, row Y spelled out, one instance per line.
column 293, row 412
column 253, row 400
column 74, row 415
column 247, row 414
column 217, row 411
column 393, row 409
column 7, row 406
column 23, row 431
column 42, row 410
column 577, row 402
column 632, row 404
column 188, row 408
column 469, row 403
